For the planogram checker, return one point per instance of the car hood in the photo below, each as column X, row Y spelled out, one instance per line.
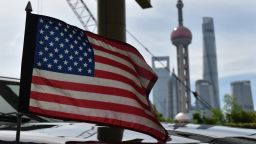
column 61, row 133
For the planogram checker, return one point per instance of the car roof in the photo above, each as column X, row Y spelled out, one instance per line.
column 211, row 130
column 81, row 132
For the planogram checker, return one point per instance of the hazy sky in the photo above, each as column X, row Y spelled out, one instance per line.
column 234, row 21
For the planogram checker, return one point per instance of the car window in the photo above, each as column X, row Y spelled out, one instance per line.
column 8, row 91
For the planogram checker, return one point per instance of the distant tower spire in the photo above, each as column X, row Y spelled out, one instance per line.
column 180, row 6
column 181, row 37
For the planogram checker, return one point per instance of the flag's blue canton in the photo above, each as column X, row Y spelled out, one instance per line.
column 62, row 48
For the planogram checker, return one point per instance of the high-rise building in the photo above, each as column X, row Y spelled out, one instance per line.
column 181, row 37
column 241, row 91
column 174, row 105
column 205, row 91
column 210, row 69
column 165, row 89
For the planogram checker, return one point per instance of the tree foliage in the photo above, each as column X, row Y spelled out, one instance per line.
column 215, row 116
column 160, row 116
column 233, row 115
column 197, row 118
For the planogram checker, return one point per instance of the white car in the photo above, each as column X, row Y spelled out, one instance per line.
column 35, row 129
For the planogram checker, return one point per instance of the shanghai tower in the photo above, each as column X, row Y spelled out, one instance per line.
column 210, row 70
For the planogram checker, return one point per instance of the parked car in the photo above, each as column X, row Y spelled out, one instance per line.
column 36, row 129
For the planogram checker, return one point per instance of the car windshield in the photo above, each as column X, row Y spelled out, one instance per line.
column 9, row 96
column 9, row 91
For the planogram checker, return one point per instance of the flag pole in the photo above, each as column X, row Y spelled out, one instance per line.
column 28, row 10
column 19, row 119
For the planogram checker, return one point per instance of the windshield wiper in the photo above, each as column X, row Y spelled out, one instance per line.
column 199, row 137
column 233, row 140
column 11, row 117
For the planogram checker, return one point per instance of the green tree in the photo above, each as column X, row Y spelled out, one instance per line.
column 235, row 113
column 232, row 109
column 231, row 104
column 197, row 118
column 160, row 116
column 215, row 116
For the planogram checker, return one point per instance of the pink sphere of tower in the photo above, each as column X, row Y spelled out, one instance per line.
column 181, row 35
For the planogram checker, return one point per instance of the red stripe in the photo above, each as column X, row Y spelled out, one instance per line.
column 113, row 76
column 86, row 88
column 124, row 124
column 89, row 104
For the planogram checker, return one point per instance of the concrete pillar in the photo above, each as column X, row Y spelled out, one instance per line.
column 111, row 19
column 111, row 24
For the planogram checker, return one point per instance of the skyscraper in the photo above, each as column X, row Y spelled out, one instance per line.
column 164, row 91
column 210, row 69
column 181, row 37
column 241, row 90
column 205, row 91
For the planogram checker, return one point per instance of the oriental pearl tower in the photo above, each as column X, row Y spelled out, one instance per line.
column 181, row 37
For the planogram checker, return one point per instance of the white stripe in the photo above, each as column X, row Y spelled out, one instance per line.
column 95, row 113
column 88, row 80
column 114, row 58
column 116, row 70
column 135, row 58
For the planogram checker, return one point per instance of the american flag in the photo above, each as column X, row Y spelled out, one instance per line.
column 82, row 76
